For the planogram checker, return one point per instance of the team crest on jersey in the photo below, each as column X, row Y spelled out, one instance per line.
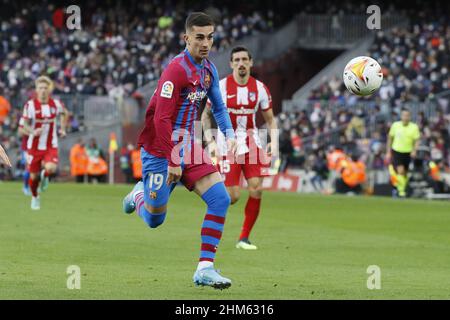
column 167, row 89
column 207, row 80
column 153, row 195
column 252, row 96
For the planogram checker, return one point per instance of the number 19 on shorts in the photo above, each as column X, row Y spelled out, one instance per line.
column 156, row 179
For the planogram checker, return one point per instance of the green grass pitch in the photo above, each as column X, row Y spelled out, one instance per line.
column 310, row 247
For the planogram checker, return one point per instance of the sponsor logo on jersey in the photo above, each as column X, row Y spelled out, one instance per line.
column 167, row 89
column 242, row 110
column 196, row 96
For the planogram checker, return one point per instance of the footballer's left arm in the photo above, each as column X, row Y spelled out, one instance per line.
column 63, row 119
column 4, row 157
column 272, row 125
column 416, row 144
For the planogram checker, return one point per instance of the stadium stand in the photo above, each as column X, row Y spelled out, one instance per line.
column 415, row 64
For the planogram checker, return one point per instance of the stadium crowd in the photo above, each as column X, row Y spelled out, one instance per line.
column 120, row 47
column 415, row 62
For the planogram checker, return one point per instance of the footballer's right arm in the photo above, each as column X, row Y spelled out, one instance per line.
column 168, row 91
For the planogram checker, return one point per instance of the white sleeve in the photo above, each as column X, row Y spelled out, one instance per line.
column 264, row 97
column 28, row 110
column 222, row 87
column 59, row 106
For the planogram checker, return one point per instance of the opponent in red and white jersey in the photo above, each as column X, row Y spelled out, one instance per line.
column 42, row 118
column 243, row 102
column 39, row 123
column 244, row 97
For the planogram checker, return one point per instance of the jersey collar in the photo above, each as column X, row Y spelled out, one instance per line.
column 198, row 65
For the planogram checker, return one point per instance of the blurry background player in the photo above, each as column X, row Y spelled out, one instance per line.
column 39, row 123
column 167, row 142
column 244, row 95
column 403, row 141
column 23, row 155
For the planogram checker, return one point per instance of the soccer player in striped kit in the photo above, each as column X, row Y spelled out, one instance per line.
column 39, row 123
column 170, row 154
column 244, row 96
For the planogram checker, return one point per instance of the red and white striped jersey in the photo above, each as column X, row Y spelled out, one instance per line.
column 243, row 101
column 43, row 116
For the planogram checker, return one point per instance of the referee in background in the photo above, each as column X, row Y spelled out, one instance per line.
column 403, row 140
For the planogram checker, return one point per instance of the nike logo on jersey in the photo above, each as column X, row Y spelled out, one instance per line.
column 195, row 82
column 230, row 96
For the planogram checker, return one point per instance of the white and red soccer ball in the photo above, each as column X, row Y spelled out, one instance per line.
column 362, row 76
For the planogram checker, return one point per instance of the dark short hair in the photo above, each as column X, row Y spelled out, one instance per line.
column 240, row 49
column 198, row 19
column 405, row 109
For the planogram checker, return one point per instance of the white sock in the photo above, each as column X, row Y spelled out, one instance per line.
column 135, row 194
column 204, row 264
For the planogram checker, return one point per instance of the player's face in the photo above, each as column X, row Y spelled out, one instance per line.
column 199, row 41
column 43, row 91
column 406, row 117
column 241, row 63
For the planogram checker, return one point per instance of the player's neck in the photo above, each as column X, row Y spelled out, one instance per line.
column 242, row 81
column 43, row 101
column 197, row 60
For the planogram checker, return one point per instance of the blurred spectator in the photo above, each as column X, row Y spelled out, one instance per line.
column 320, row 169
column 125, row 163
column 97, row 168
column 136, row 164
column 78, row 161
column 5, row 107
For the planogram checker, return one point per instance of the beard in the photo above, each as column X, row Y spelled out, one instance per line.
column 242, row 72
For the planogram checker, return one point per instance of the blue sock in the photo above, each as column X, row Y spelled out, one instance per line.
column 153, row 220
column 26, row 178
column 218, row 200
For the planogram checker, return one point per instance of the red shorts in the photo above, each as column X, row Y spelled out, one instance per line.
column 195, row 170
column 231, row 170
column 36, row 158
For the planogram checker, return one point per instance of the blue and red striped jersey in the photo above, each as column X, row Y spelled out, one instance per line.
column 173, row 108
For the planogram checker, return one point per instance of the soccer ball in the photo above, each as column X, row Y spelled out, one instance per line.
column 362, row 76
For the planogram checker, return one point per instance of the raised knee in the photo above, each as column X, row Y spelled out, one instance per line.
column 154, row 216
column 225, row 200
column 154, row 220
